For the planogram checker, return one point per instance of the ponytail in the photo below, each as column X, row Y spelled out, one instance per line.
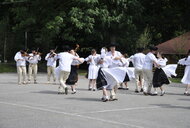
column 188, row 53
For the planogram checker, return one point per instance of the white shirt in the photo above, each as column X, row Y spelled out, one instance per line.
column 65, row 60
column 20, row 60
column 187, row 61
column 33, row 59
column 51, row 61
column 115, row 63
column 77, row 62
column 106, row 62
column 162, row 62
column 94, row 59
column 138, row 60
column 149, row 59
column 125, row 62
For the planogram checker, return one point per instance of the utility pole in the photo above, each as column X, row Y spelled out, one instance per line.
column 26, row 39
column 4, row 48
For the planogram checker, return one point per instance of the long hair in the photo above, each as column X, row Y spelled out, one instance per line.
column 162, row 55
column 188, row 53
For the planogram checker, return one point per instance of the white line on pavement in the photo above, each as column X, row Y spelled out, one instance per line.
column 116, row 110
column 70, row 114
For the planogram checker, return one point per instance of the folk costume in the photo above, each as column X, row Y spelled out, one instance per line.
column 21, row 67
column 138, row 61
column 33, row 66
column 51, row 64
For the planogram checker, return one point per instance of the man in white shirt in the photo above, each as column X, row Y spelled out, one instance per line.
column 150, row 59
column 33, row 59
column 21, row 66
column 138, row 61
column 65, row 61
column 51, row 64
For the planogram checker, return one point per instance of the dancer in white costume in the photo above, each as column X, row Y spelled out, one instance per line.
column 102, row 80
column 125, row 60
column 92, row 69
column 64, row 68
column 73, row 76
column 159, row 77
column 115, row 57
column 150, row 59
column 138, row 61
column 186, row 77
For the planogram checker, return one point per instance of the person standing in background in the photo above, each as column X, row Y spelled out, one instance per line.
column 51, row 64
column 20, row 59
column 33, row 59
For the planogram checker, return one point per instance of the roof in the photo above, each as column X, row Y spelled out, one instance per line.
column 178, row 45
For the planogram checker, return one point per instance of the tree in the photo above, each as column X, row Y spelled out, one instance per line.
column 144, row 39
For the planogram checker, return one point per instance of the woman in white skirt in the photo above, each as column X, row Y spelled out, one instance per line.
column 92, row 69
column 125, row 60
column 186, row 77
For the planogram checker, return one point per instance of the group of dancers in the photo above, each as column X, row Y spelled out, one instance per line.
column 108, row 71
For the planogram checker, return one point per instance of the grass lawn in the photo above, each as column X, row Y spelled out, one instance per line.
column 175, row 80
column 82, row 72
column 6, row 67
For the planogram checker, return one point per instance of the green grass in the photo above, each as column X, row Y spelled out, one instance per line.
column 175, row 80
column 82, row 72
column 5, row 68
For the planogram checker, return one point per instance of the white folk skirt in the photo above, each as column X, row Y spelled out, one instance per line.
column 186, row 77
column 93, row 71
column 170, row 70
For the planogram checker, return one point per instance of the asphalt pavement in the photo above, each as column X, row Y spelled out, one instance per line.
column 39, row 106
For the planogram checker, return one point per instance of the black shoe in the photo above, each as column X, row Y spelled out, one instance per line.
column 186, row 93
column 136, row 91
column 126, row 88
column 61, row 93
column 162, row 93
column 151, row 94
column 113, row 99
column 121, row 88
column 146, row 94
column 73, row 92
column 90, row 89
column 141, row 90
column 105, row 100
column 66, row 90
column 94, row 89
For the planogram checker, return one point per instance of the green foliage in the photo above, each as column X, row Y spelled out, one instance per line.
column 144, row 38
column 92, row 23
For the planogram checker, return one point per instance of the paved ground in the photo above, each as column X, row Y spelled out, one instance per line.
column 39, row 106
